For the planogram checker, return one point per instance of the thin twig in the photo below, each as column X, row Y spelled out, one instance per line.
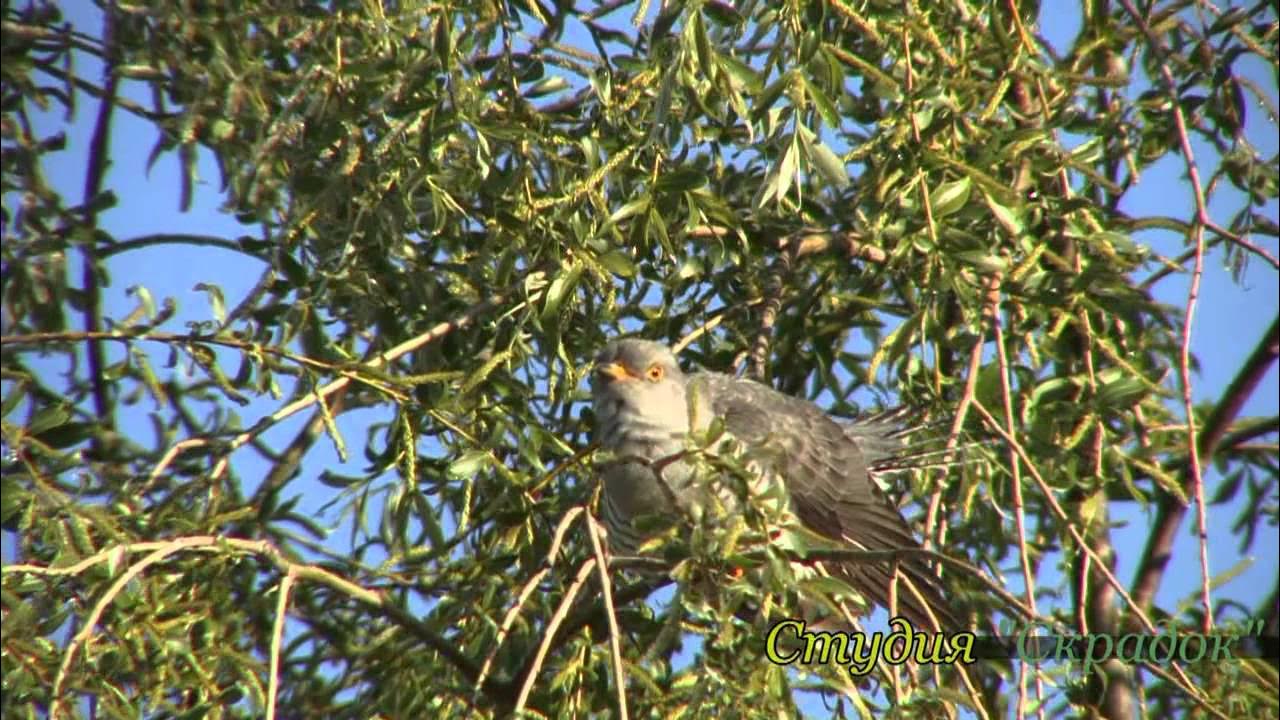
column 343, row 369
column 85, row 636
column 1184, row 353
column 710, row 325
column 549, row 634
column 957, row 422
column 435, row 333
column 183, row 239
column 615, row 642
column 1193, row 451
column 501, row 693
column 1170, row 511
column 510, row 618
column 277, row 638
column 1203, row 219
column 817, row 555
column 1019, row 505
column 1138, row 612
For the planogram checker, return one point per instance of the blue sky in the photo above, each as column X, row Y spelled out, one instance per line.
column 1230, row 319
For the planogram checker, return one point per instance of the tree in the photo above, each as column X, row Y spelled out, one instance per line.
column 451, row 207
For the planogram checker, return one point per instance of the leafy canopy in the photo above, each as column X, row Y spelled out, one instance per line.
column 447, row 207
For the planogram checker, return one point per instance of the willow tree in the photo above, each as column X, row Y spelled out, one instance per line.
column 450, row 206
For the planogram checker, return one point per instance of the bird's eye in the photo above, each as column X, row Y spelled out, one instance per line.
column 654, row 373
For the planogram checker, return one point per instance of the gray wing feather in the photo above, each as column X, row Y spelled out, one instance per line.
column 829, row 479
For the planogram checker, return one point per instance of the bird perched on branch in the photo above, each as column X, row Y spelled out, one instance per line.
column 646, row 409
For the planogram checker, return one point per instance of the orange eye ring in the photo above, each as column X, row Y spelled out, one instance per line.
column 654, row 373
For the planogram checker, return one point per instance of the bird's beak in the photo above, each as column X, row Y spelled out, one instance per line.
column 613, row 372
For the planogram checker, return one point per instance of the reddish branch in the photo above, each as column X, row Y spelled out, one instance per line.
column 1170, row 512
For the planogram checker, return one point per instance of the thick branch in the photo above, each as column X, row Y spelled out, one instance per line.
column 94, row 174
column 1169, row 513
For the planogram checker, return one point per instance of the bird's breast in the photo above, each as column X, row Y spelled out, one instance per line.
column 627, row 433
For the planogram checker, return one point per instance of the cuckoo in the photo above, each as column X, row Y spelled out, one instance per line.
column 645, row 410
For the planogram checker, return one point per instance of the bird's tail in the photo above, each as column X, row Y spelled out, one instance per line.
column 900, row 440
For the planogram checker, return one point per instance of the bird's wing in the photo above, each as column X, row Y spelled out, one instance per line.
column 828, row 479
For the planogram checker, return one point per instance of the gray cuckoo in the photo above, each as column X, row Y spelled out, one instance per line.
column 646, row 408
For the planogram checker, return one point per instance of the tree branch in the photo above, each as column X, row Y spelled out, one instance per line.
column 94, row 174
column 1170, row 512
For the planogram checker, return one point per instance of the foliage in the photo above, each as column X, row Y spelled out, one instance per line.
column 452, row 205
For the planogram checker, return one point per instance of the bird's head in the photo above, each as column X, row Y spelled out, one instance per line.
column 640, row 381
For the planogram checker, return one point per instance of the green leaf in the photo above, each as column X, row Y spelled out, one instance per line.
column 826, row 109
column 1055, row 388
column 1122, row 392
column 222, row 130
column 770, row 95
column 17, row 393
column 702, row 45
column 48, row 418
column 14, row 501
column 949, row 197
column 786, row 170
column 65, row 435
column 1092, row 510
column 1226, row 491
column 680, row 180
column 1010, row 220
column 830, row 165
column 207, row 359
column 640, row 204
column 561, row 287
column 427, row 515
column 982, row 260
column 722, row 13
column 893, row 346
column 470, row 463
column 336, row 480
column 144, row 297
column 617, row 262
column 743, row 76
column 547, row 86
column 292, row 269
column 1089, row 152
